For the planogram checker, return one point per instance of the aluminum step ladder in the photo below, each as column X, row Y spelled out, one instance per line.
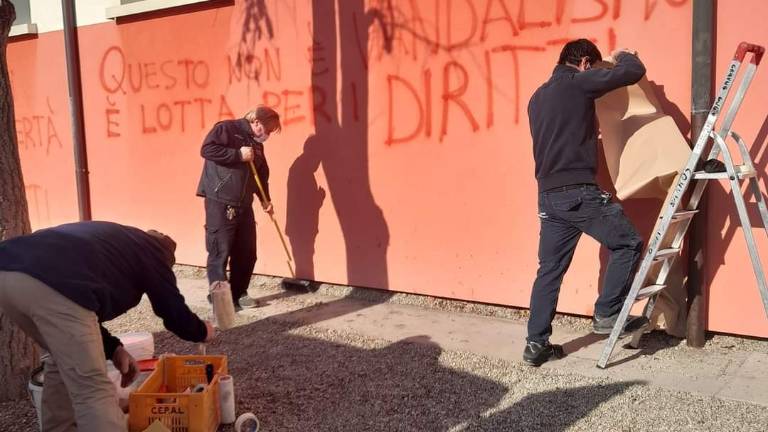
column 674, row 219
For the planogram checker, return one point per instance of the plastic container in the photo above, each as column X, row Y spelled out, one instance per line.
column 162, row 396
column 140, row 345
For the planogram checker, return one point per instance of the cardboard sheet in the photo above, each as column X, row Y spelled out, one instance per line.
column 644, row 149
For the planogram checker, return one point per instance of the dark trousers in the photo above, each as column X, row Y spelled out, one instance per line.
column 230, row 237
column 565, row 213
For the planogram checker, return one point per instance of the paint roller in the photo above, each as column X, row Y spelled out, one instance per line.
column 223, row 307
column 287, row 282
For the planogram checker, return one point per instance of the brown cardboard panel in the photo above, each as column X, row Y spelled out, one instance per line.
column 644, row 149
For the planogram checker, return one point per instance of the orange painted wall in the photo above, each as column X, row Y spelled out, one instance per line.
column 405, row 161
column 38, row 82
column 735, row 304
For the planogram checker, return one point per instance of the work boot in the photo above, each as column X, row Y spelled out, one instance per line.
column 536, row 354
column 246, row 302
column 604, row 325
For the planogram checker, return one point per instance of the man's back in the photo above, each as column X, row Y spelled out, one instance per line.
column 562, row 120
column 102, row 266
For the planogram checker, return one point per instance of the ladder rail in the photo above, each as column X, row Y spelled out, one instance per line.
column 661, row 278
column 642, row 272
column 671, row 206
column 673, row 201
column 754, row 185
column 738, row 98
column 746, row 224
column 677, row 242
column 730, row 115
column 746, row 158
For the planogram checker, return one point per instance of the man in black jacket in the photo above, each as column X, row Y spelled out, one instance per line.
column 564, row 130
column 59, row 284
column 228, row 186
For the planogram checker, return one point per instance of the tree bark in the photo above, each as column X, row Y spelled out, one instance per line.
column 18, row 353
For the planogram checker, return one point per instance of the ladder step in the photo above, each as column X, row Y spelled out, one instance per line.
column 649, row 291
column 665, row 254
column 683, row 215
column 742, row 171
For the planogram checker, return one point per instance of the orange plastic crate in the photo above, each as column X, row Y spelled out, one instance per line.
column 161, row 396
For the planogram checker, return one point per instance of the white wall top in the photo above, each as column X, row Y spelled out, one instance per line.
column 132, row 7
column 46, row 15
column 22, row 29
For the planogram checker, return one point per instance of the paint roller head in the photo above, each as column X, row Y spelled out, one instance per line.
column 223, row 307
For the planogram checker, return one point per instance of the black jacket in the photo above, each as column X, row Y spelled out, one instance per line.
column 226, row 178
column 105, row 268
column 563, row 123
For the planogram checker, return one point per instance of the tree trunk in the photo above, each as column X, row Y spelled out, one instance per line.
column 18, row 353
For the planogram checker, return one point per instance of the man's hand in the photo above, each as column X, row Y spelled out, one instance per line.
column 619, row 51
column 126, row 364
column 246, row 154
column 210, row 331
column 267, row 206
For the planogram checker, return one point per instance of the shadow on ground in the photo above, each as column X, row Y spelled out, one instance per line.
column 552, row 411
column 300, row 382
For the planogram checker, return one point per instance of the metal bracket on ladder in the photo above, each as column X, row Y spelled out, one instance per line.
column 663, row 252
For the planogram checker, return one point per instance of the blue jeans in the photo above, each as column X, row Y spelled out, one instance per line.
column 565, row 213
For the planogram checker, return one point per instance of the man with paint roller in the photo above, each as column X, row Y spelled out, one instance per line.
column 564, row 131
column 58, row 284
column 228, row 185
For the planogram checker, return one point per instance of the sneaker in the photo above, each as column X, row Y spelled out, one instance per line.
column 537, row 354
column 247, row 302
column 604, row 325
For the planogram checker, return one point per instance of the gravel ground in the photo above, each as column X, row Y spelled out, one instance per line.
column 314, row 379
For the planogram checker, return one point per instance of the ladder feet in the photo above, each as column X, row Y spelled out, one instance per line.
column 634, row 343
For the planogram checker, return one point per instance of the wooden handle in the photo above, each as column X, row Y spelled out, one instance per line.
column 274, row 221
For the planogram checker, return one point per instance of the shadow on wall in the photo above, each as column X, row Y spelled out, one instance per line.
column 728, row 222
column 340, row 146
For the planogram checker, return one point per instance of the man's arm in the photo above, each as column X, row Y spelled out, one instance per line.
column 168, row 304
column 110, row 342
column 123, row 361
column 627, row 71
column 216, row 146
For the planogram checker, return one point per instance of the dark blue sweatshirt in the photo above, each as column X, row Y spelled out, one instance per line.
column 106, row 268
column 563, row 124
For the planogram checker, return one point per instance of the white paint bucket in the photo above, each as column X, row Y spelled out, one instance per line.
column 140, row 345
column 35, row 388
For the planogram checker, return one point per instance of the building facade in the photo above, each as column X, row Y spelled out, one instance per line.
column 405, row 161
